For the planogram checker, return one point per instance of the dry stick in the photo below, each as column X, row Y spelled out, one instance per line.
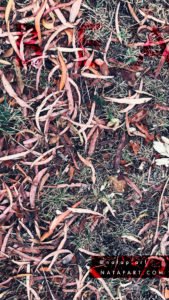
column 159, row 209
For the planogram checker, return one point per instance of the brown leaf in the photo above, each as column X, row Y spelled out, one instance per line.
column 93, row 141
column 11, row 92
column 37, row 21
column 119, row 152
column 8, row 53
column 144, row 130
column 71, row 173
column 140, row 115
column 64, row 71
column 34, row 186
column 118, row 185
column 135, row 147
column 56, row 221
column 104, row 69
column 88, row 163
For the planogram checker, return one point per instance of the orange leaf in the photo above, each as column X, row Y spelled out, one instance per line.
column 140, row 115
column 166, row 293
column 37, row 21
column 135, row 147
column 64, row 71
column 57, row 220
column 118, row 185
column 71, row 173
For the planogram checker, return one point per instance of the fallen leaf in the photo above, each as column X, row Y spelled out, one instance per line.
column 8, row 9
column 71, row 173
column 8, row 53
column 93, row 141
column 18, row 76
column 64, row 71
column 135, row 147
column 131, row 238
column 140, row 115
column 88, row 163
column 118, row 185
column 128, row 100
column 11, row 92
column 56, row 221
column 162, row 148
column 166, row 293
column 37, row 20
column 4, row 62
column 162, row 162
column 34, row 186
column 75, row 10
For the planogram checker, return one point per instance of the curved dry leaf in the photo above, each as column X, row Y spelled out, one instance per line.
column 69, row 95
column 11, row 92
column 64, row 71
column 8, row 9
column 47, row 24
column 34, row 186
column 94, row 76
column 131, row 238
column 14, row 156
column 77, row 90
column 13, row 44
column 4, row 62
column 75, row 10
column 88, row 164
column 59, row 29
column 93, row 142
column 128, row 100
column 60, row 16
column 131, row 10
column 85, row 211
column 57, row 220
column 37, row 21
column 18, row 75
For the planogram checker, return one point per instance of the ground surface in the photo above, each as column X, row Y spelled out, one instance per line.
column 84, row 122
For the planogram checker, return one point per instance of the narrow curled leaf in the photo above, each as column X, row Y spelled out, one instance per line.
column 64, row 71
column 11, row 92
column 56, row 221
column 37, row 21
column 8, row 9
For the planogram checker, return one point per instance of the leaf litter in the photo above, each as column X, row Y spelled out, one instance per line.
column 55, row 77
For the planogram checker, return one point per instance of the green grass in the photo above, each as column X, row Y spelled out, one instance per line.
column 10, row 119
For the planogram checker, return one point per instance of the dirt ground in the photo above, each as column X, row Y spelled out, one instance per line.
column 84, row 145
